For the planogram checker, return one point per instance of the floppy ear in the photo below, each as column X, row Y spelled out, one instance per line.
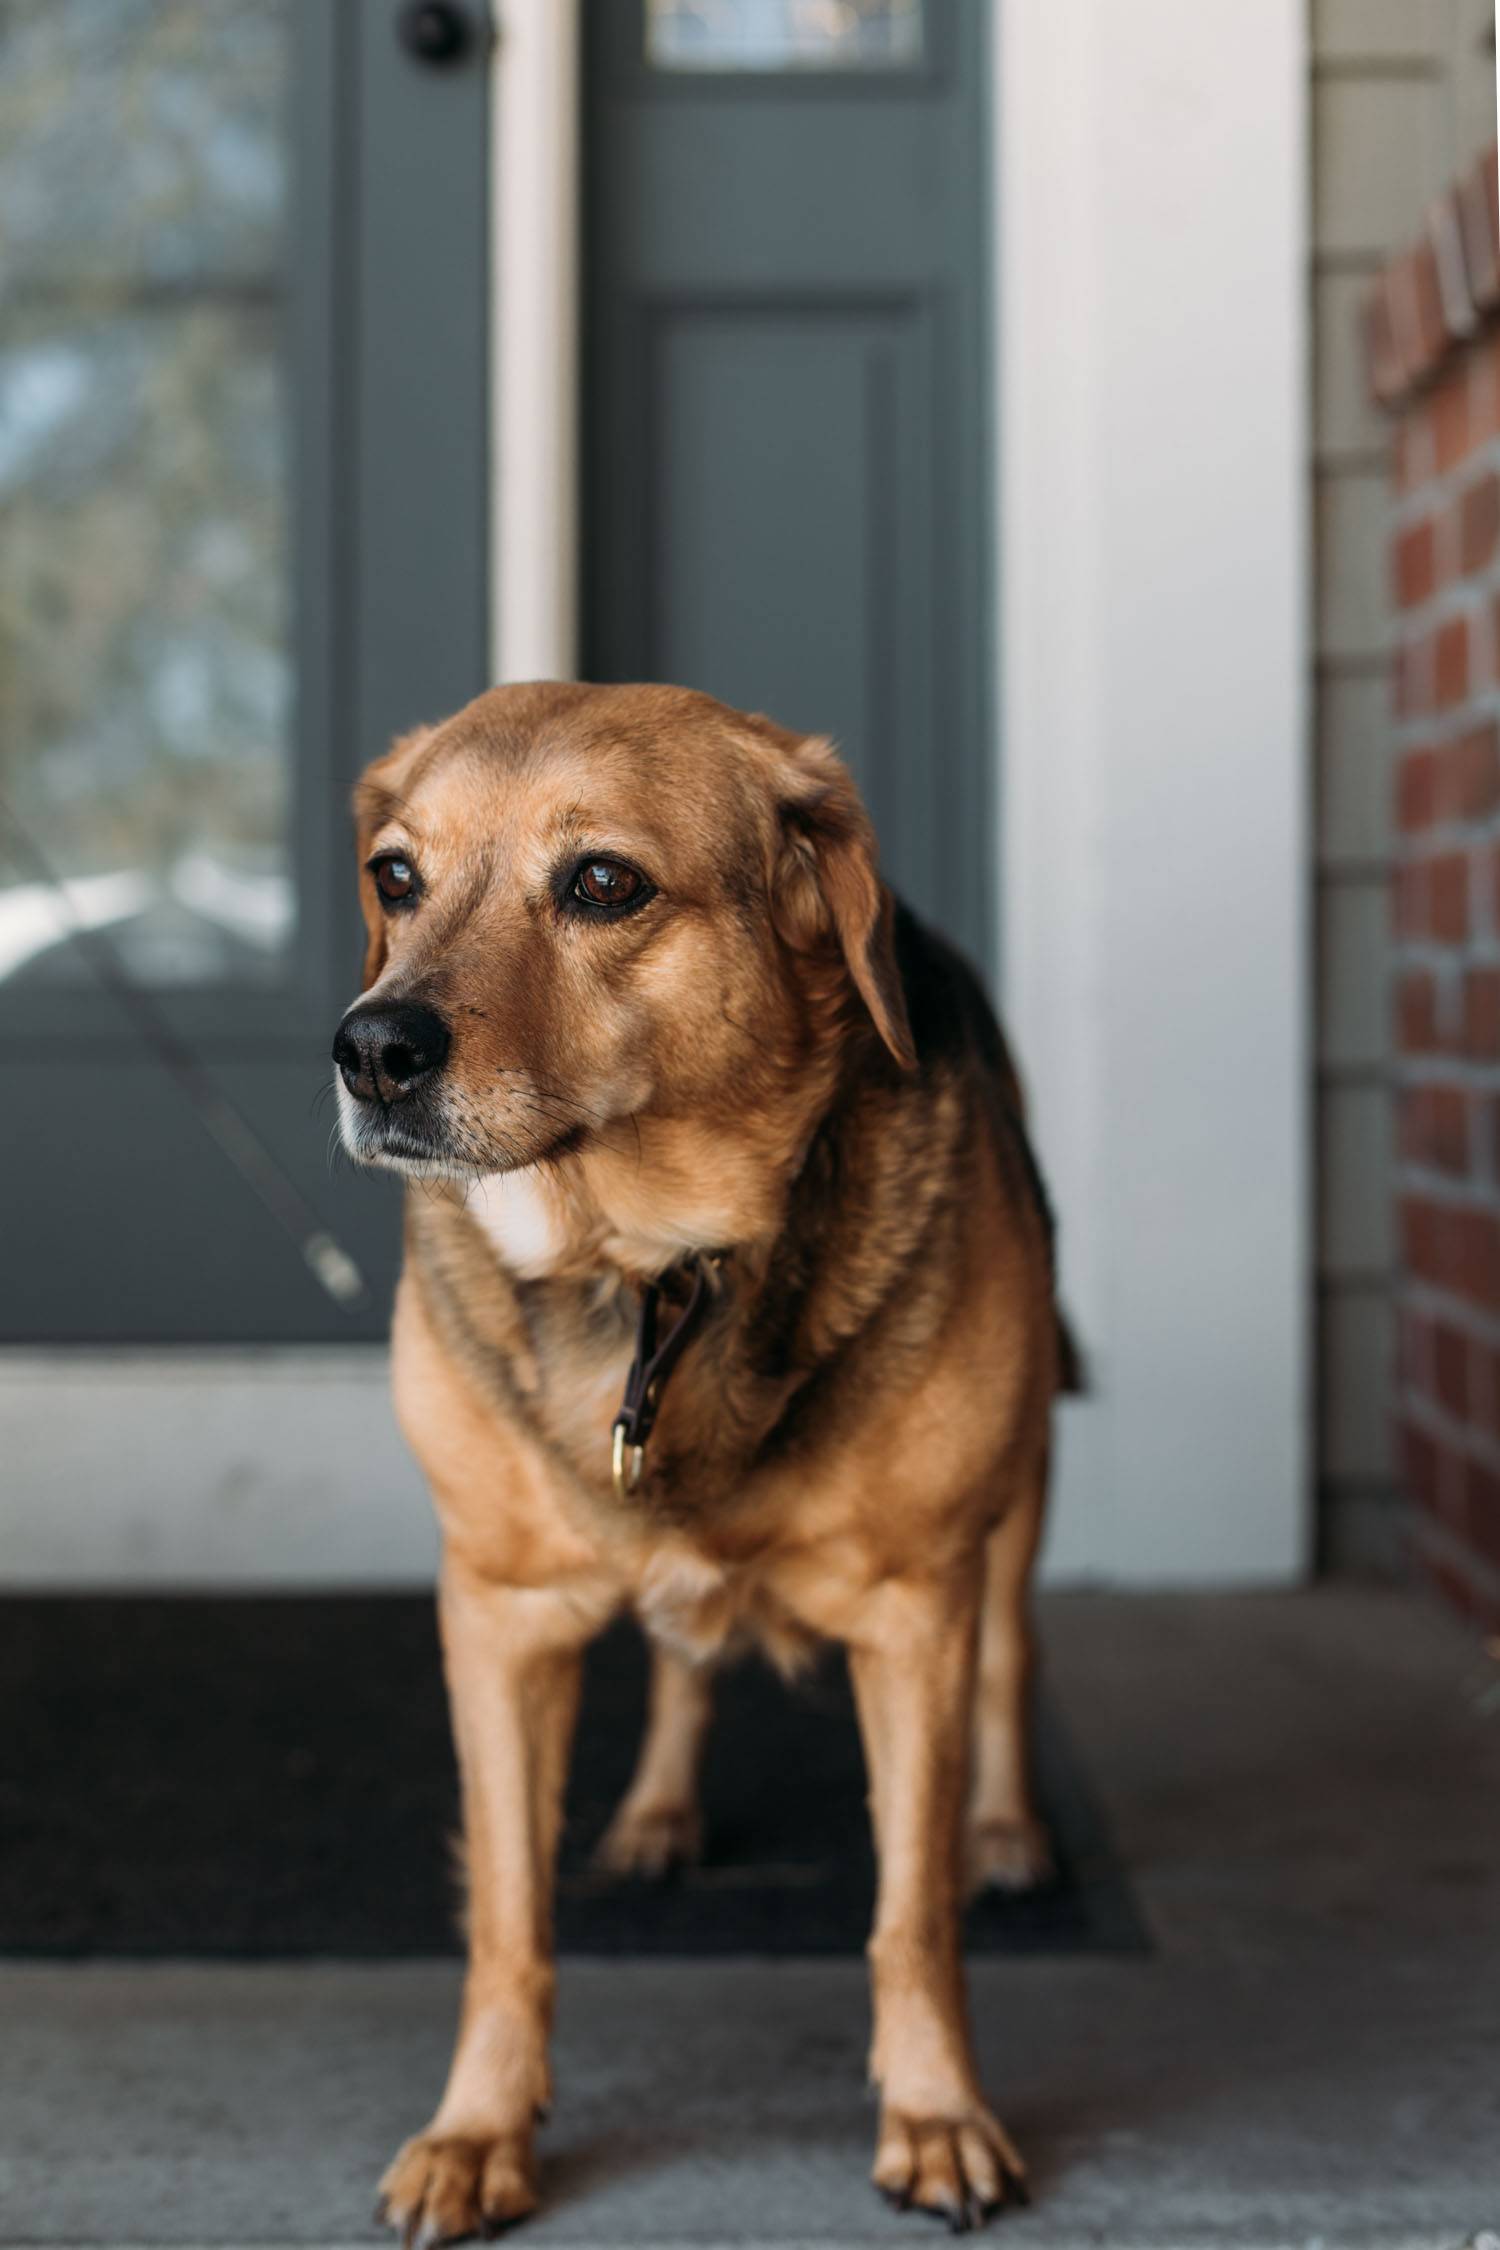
column 829, row 882
column 375, row 795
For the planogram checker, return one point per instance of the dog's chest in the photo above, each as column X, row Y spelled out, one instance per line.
column 702, row 1540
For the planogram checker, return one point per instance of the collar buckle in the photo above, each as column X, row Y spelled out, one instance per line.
column 649, row 1369
column 628, row 1464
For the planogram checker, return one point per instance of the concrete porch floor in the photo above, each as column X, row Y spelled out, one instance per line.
column 1307, row 1791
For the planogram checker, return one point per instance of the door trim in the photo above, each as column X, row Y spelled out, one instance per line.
column 159, row 1470
column 535, row 196
column 1153, row 668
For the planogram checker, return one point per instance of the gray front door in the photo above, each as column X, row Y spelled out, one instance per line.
column 786, row 452
column 243, row 303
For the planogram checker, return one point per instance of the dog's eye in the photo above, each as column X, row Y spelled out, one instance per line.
column 395, row 878
column 608, row 882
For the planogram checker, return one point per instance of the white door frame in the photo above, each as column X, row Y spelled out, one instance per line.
column 1151, row 322
column 1150, row 526
column 534, row 218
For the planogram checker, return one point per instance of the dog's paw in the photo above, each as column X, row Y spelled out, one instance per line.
column 650, row 1840
column 1007, row 1855
column 962, row 2170
column 444, row 2187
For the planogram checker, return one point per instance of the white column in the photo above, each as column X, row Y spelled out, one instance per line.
column 1151, row 324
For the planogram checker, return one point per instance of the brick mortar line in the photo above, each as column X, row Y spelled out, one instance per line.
column 1439, row 730
column 1417, row 844
column 1431, row 1416
column 1434, row 1537
column 1475, row 457
column 1407, row 729
column 1478, row 952
column 1474, row 948
column 1433, row 1302
column 1472, row 594
column 1408, row 508
column 1429, row 1301
column 1472, row 1074
column 1428, row 1181
column 1450, row 1191
column 1481, row 951
column 1465, row 597
column 1441, row 841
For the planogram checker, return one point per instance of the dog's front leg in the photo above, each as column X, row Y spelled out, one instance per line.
column 512, row 1657
column 912, row 1661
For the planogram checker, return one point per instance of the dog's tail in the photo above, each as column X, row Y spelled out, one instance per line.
column 1072, row 1367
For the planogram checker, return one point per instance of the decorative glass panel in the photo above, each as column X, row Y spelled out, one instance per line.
column 784, row 34
column 145, row 677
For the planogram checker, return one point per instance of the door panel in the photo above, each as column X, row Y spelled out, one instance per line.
column 812, row 603
column 784, row 350
column 165, row 1242
column 243, row 435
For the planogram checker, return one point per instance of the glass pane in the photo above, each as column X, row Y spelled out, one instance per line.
column 145, row 675
column 784, row 34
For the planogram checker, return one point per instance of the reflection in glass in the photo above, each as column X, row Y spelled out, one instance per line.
column 145, row 683
column 783, row 34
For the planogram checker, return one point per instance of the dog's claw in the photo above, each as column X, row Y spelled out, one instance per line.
column 444, row 2189
column 959, row 2171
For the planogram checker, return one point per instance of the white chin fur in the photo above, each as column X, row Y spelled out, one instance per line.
column 514, row 1214
column 410, row 1167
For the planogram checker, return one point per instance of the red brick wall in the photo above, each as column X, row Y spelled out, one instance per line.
column 1445, row 599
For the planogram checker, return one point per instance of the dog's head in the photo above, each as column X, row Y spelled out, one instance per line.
column 592, row 907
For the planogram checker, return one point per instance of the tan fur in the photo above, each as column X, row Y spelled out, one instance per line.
column 759, row 1063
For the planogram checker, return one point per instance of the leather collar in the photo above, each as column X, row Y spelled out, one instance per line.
column 653, row 1364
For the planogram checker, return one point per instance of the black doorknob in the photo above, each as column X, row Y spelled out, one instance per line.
column 435, row 31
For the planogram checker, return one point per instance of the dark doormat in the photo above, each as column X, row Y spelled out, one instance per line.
column 258, row 1776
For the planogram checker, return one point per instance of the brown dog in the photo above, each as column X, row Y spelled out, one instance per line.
column 640, row 1012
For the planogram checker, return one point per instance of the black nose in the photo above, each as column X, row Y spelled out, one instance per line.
column 384, row 1052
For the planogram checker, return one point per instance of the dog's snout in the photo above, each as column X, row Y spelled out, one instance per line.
column 384, row 1053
